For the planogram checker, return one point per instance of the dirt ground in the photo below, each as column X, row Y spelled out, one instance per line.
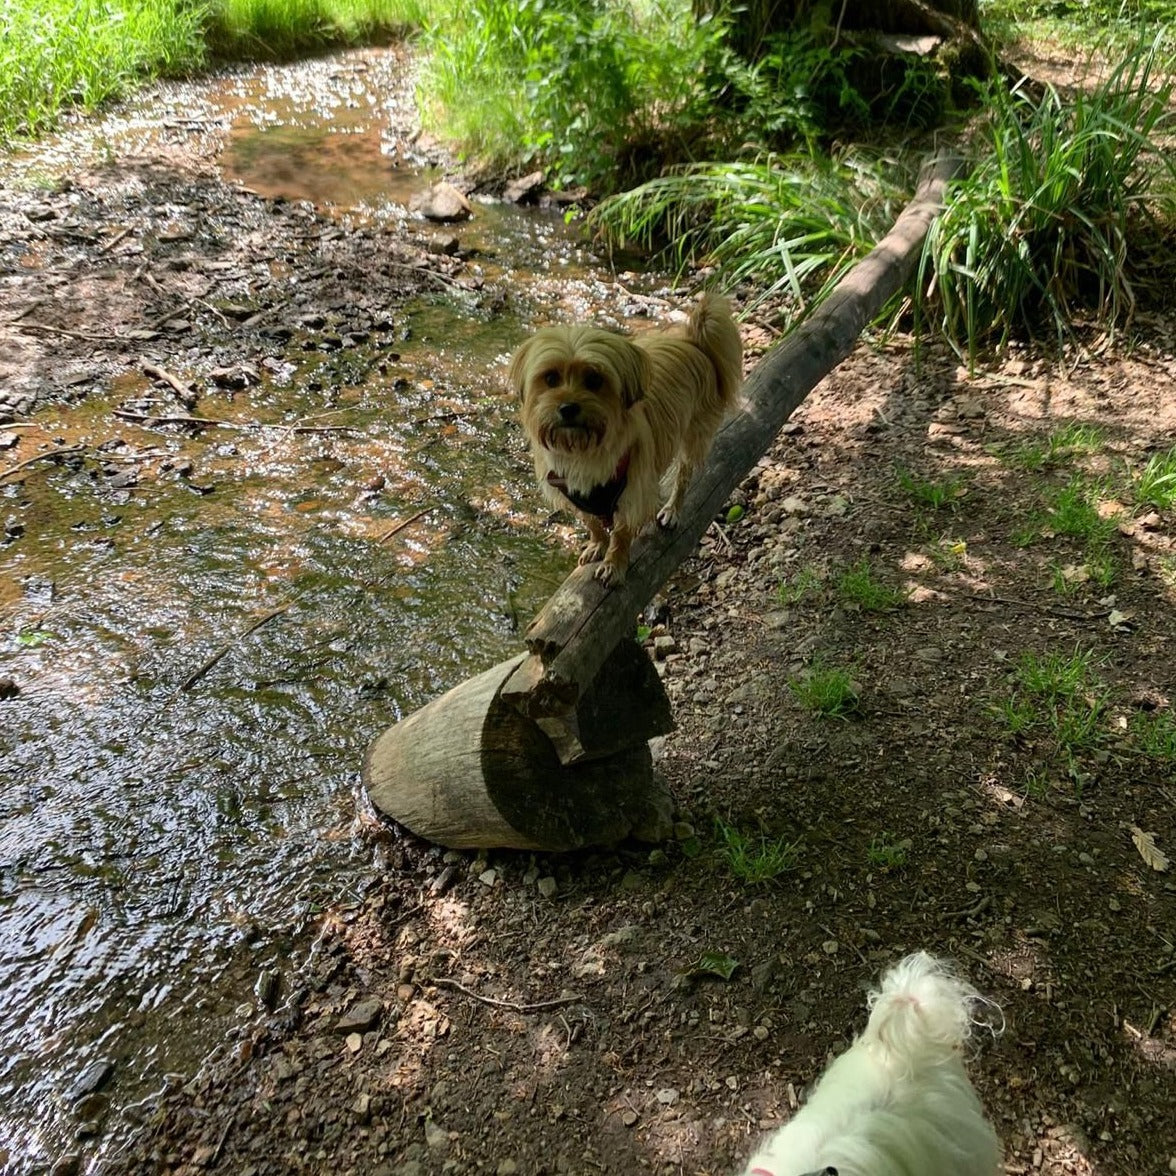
column 509, row 1013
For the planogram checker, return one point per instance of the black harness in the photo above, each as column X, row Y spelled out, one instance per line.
column 602, row 499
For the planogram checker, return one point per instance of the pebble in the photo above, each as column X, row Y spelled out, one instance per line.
column 667, row 1096
column 548, row 886
column 95, row 1076
column 488, row 877
column 361, row 1017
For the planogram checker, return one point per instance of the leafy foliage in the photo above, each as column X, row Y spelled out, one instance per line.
column 1042, row 228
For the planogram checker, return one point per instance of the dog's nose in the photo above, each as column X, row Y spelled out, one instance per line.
column 568, row 412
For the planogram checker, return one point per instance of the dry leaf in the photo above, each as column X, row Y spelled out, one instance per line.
column 1148, row 850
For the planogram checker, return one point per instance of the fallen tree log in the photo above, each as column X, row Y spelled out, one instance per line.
column 550, row 749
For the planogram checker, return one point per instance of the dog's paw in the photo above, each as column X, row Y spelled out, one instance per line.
column 667, row 517
column 593, row 553
column 611, row 575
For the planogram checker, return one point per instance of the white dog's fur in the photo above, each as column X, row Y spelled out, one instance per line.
column 897, row 1102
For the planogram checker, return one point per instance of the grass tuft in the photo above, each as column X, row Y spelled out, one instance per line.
column 755, row 859
column 857, row 587
column 828, row 690
column 1039, row 234
column 1155, row 485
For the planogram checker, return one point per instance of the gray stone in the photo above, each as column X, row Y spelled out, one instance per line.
column 362, row 1016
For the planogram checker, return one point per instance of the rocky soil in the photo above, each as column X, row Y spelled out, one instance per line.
column 658, row 1008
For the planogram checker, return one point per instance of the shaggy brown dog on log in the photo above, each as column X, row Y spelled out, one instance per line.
column 608, row 417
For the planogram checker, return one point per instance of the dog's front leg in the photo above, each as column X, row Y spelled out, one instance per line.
column 611, row 572
column 598, row 540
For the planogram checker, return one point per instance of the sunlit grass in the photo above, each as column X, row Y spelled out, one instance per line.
column 1044, row 229
column 60, row 53
column 790, row 226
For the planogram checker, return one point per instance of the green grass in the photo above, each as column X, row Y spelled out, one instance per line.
column 1155, row 484
column 787, row 225
column 858, row 588
column 755, row 859
column 281, row 29
column 56, row 54
column 1071, row 510
column 806, row 584
column 597, row 93
column 1058, row 446
column 1154, row 733
column 61, row 54
column 1056, row 698
column 931, row 494
column 1044, row 230
column 828, row 690
column 887, row 851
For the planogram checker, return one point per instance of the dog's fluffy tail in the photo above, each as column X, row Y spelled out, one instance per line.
column 923, row 1012
column 712, row 329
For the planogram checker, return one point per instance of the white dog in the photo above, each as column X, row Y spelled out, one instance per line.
column 897, row 1102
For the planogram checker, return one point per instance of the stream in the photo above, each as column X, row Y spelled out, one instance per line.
column 204, row 627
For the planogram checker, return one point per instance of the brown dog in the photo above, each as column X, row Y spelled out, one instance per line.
column 607, row 417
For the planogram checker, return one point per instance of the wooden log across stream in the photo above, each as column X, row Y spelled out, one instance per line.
column 549, row 750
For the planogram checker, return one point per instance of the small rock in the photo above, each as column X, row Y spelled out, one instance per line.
column 436, row 1138
column 683, row 830
column 524, row 188
column 67, row 1165
column 92, row 1107
column 8, row 688
column 667, row 1096
column 354, row 1043
column 629, row 1118
column 507, row 1168
column 442, row 202
column 794, row 506
column 488, row 877
column 663, row 647
column 8, row 440
column 95, row 1076
column 362, row 1109
column 547, row 886
column 362, row 1016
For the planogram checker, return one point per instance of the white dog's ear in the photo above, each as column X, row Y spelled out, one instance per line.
column 518, row 368
column 634, row 371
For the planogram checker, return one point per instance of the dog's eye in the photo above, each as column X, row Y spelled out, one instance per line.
column 593, row 380
column 551, row 378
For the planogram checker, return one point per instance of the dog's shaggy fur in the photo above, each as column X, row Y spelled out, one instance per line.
column 898, row 1102
column 608, row 416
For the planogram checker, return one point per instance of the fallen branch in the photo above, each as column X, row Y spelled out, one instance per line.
column 398, row 527
column 205, row 667
column 537, row 1006
column 155, row 372
column 49, row 453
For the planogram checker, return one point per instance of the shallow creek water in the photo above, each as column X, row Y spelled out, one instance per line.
column 165, row 851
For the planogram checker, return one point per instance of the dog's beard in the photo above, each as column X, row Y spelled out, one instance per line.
column 581, row 437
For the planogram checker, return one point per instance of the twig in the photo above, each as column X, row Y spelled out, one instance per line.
column 398, row 527
column 514, row 1006
column 1070, row 614
column 203, row 669
column 150, row 418
column 114, row 241
column 155, row 372
column 455, row 414
column 28, row 461
column 34, row 326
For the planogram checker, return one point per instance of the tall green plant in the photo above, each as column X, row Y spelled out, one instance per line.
column 60, row 53
column 1041, row 231
column 788, row 225
column 581, row 87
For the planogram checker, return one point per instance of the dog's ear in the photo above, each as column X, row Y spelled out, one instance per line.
column 518, row 368
column 634, row 371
